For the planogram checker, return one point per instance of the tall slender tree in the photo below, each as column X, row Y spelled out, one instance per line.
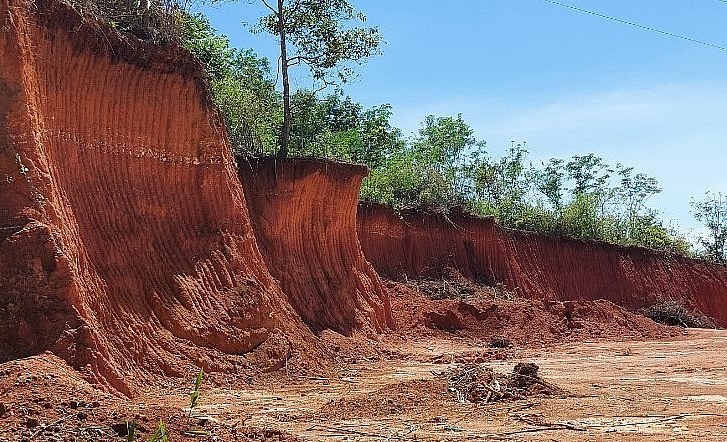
column 314, row 33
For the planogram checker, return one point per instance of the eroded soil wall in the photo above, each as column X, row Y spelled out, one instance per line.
column 304, row 217
column 125, row 241
column 416, row 245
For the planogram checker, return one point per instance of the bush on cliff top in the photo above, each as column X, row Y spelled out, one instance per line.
column 157, row 20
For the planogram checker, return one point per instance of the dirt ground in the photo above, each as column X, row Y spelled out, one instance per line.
column 668, row 389
column 657, row 390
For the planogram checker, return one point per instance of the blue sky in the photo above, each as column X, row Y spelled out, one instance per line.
column 565, row 82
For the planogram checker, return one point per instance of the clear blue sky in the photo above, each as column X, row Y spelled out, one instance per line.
column 565, row 82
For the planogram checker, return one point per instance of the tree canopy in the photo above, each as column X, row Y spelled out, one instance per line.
column 441, row 166
column 711, row 211
column 314, row 33
column 242, row 85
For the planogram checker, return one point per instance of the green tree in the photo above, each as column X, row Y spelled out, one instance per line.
column 711, row 211
column 428, row 171
column 551, row 183
column 442, row 140
column 379, row 139
column 438, row 149
column 312, row 33
column 337, row 127
column 241, row 85
column 327, row 127
column 589, row 173
column 500, row 185
column 633, row 192
column 211, row 49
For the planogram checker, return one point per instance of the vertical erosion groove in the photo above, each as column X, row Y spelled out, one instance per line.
column 304, row 214
column 126, row 245
column 536, row 266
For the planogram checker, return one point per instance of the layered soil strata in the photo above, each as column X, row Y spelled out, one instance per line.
column 420, row 245
column 304, row 217
column 125, row 241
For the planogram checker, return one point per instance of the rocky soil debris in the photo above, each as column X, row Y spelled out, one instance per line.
column 477, row 383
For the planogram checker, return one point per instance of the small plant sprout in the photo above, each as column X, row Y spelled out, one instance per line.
column 160, row 435
column 193, row 402
column 130, row 431
column 194, row 396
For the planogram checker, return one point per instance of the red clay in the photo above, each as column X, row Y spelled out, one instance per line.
column 304, row 217
column 535, row 266
column 128, row 251
column 126, row 245
column 485, row 316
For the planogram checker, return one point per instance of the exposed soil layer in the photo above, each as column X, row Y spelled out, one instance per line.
column 125, row 241
column 416, row 245
column 304, row 217
column 43, row 399
column 671, row 389
column 496, row 321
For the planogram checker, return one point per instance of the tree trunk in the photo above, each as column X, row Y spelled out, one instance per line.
column 285, row 131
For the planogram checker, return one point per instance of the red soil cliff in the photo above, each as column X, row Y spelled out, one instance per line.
column 536, row 266
column 125, row 242
column 304, row 217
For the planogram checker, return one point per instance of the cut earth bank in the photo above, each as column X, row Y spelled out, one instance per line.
column 131, row 255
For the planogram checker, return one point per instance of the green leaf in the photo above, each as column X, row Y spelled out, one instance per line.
column 130, row 431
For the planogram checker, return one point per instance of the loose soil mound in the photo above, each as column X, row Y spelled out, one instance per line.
column 419, row 245
column 425, row 396
column 497, row 318
column 43, row 398
column 464, row 384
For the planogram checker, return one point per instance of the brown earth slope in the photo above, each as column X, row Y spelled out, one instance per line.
column 125, row 242
column 416, row 245
column 304, row 217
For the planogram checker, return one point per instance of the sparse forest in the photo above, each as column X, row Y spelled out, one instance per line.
column 440, row 167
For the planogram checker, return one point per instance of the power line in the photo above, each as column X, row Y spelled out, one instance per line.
column 637, row 25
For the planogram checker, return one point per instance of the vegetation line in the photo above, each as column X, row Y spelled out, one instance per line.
column 441, row 167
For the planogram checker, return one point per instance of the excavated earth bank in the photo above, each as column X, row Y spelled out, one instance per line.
column 425, row 245
column 125, row 241
column 304, row 217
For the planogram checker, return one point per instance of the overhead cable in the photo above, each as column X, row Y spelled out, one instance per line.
column 637, row 25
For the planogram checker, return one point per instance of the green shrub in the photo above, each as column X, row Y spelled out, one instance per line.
column 158, row 20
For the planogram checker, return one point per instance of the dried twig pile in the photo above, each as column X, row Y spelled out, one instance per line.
column 673, row 313
column 476, row 383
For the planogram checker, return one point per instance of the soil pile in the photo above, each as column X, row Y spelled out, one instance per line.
column 477, row 383
column 125, row 241
column 498, row 319
column 304, row 217
column 43, row 399
column 415, row 245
